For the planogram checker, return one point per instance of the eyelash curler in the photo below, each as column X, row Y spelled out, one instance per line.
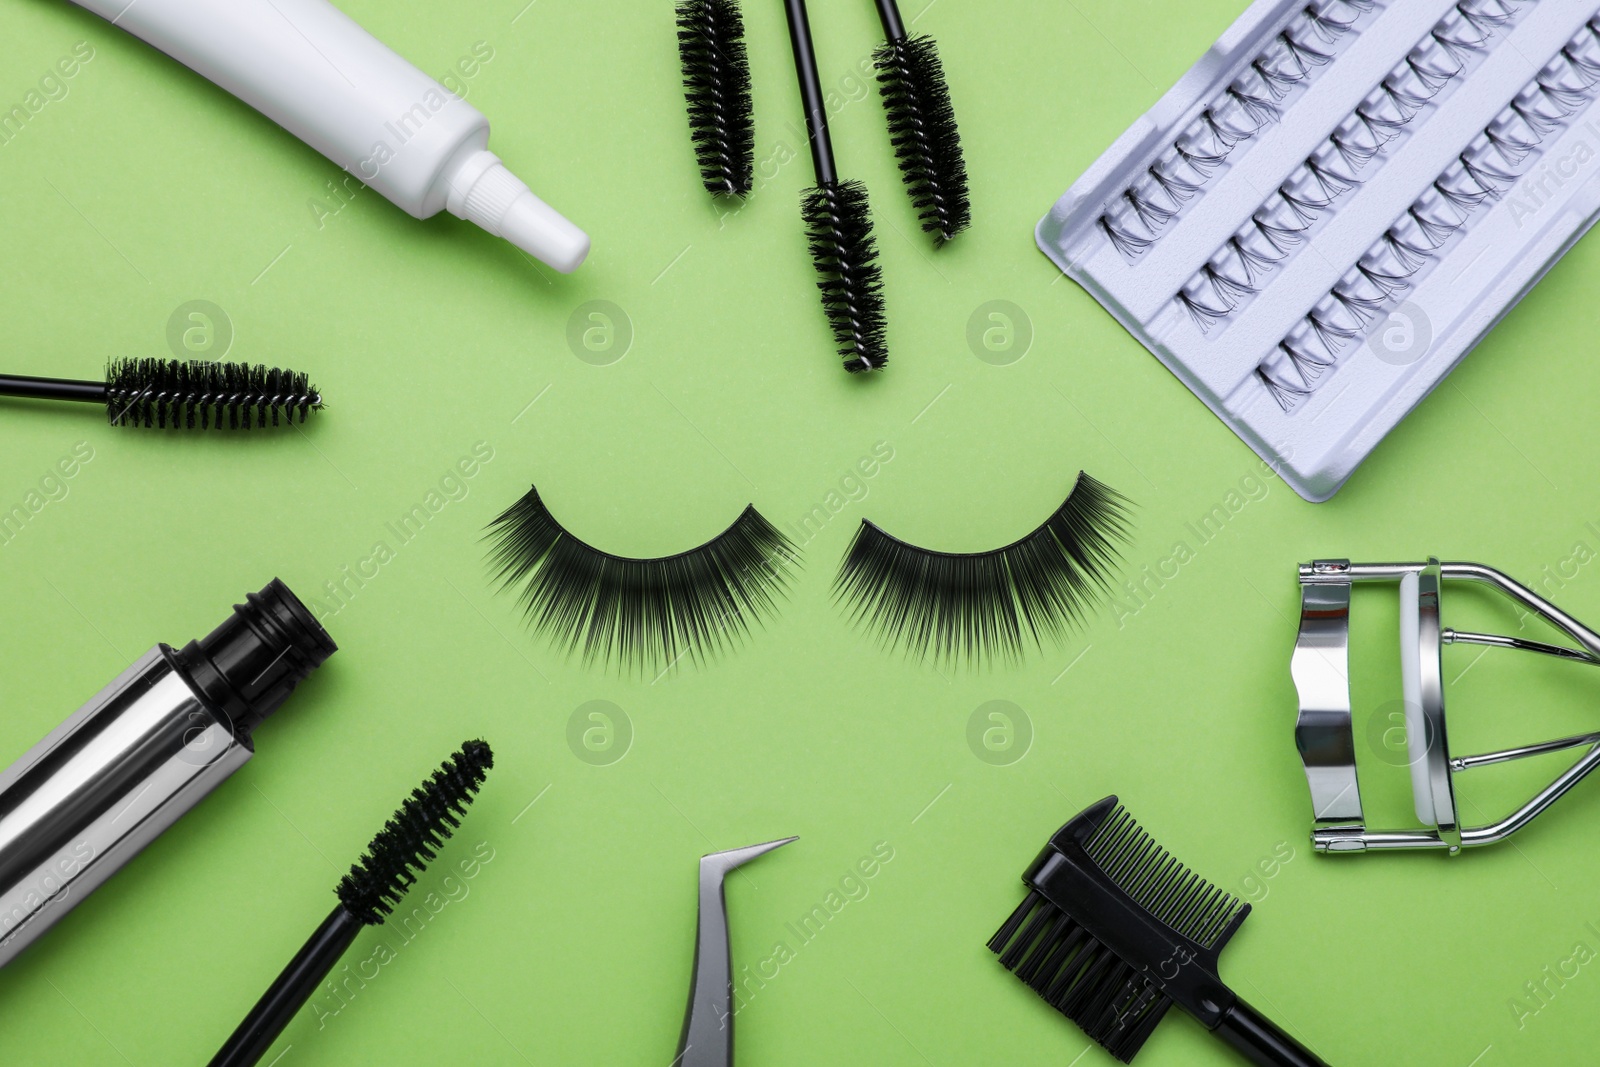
column 1325, row 735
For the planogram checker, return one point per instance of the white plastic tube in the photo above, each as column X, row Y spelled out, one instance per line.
column 315, row 72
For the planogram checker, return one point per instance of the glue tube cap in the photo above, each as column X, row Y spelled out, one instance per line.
column 484, row 192
column 248, row 666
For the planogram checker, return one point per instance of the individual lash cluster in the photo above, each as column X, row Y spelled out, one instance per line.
column 982, row 606
column 1249, row 104
column 646, row 614
column 716, row 82
column 1481, row 172
column 1283, row 223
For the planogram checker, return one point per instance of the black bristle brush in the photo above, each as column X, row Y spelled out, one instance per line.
column 838, row 224
column 174, row 394
column 922, row 126
column 390, row 867
column 1115, row 931
column 716, row 83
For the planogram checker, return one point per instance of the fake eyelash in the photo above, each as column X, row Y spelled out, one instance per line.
column 1421, row 233
column 645, row 614
column 1334, row 169
column 1245, row 108
column 988, row 605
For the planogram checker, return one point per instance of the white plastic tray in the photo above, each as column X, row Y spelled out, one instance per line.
column 1336, row 203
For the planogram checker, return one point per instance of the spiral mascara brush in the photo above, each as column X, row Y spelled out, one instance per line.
column 838, row 224
column 367, row 895
column 716, row 84
column 922, row 126
column 172, row 394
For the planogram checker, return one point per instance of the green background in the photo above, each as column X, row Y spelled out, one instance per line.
column 145, row 188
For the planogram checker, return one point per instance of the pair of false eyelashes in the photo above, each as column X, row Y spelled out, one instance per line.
column 650, row 614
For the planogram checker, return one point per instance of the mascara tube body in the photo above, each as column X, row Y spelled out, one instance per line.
column 144, row 751
column 314, row 71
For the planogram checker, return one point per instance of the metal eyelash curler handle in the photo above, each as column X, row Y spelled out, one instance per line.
column 1324, row 732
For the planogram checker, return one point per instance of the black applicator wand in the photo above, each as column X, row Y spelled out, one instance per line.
column 839, row 225
column 922, row 126
column 367, row 895
column 716, row 84
column 169, row 393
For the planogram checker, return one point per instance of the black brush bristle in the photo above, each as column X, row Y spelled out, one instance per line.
column 989, row 605
column 644, row 614
column 1115, row 1001
column 173, row 394
column 716, row 83
column 922, row 128
column 404, row 847
column 839, row 225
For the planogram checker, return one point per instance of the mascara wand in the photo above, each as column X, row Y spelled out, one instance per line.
column 367, row 895
column 716, row 84
column 838, row 224
column 171, row 394
column 922, row 126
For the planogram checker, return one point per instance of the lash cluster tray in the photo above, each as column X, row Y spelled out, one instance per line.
column 1336, row 203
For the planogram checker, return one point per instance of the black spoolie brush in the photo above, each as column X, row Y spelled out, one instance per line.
column 394, row 860
column 839, row 225
column 171, row 394
column 922, row 126
column 716, row 83
column 1114, row 931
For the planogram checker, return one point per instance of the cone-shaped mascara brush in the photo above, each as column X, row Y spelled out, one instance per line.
column 922, row 126
column 838, row 224
column 391, row 866
column 172, row 394
column 716, row 84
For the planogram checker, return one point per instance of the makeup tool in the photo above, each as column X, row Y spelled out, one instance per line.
column 642, row 613
column 708, row 1024
column 1436, row 153
column 172, row 394
column 311, row 69
column 922, row 126
column 1325, row 733
column 983, row 605
column 1114, row 931
column 716, row 84
column 838, row 224
column 151, row 745
column 367, row 896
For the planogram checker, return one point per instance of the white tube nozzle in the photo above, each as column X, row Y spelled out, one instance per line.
column 484, row 192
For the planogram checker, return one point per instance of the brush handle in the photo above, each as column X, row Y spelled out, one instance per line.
column 52, row 389
column 894, row 27
column 290, row 992
column 805, row 64
column 1261, row 1041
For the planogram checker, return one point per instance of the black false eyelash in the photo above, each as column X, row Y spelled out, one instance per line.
column 1204, row 164
column 1204, row 315
column 1229, row 290
column 640, row 613
column 1150, row 213
column 1355, row 154
column 1262, row 111
column 1361, row 309
column 1567, row 97
column 1411, row 257
column 1326, row 26
column 1463, row 200
column 1382, row 128
column 1332, row 335
column 1226, row 136
column 1123, row 239
column 1310, row 367
column 1585, row 68
column 1177, row 189
column 1281, row 238
column 1430, row 77
column 1386, row 282
column 1406, row 102
column 1331, row 182
column 1304, row 208
column 1537, row 121
column 1485, row 22
column 987, row 605
column 1489, row 179
column 1255, row 262
column 1512, row 149
column 1286, row 395
column 1278, row 83
column 1303, row 54
column 1435, row 231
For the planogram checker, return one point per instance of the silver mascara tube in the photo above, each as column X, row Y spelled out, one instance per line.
column 146, row 749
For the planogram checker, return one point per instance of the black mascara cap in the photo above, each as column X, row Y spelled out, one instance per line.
column 250, row 664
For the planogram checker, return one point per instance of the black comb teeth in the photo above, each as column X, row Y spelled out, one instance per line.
column 839, row 226
column 404, row 847
column 922, row 128
column 716, row 83
column 1167, row 890
column 172, row 394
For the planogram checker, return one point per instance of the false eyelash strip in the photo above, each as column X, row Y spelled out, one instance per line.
column 1415, row 243
column 984, row 606
column 642, row 614
column 1435, row 164
column 1307, row 42
column 1438, row 63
